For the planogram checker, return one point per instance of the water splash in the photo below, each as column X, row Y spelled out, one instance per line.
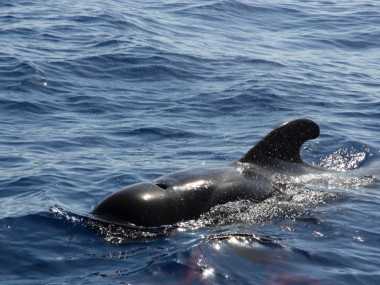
column 346, row 158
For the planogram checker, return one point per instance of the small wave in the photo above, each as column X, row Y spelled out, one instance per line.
column 21, row 31
column 247, row 101
column 114, row 233
column 12, row 67
column 24, row 182
column 131, row 67
column 237, row 9
column 251, row 247
column 343, row 43
column 24, row 202
column 107, row 43
column 262, row 252
column 23, row 76
column 11, row 106
column 155, row 133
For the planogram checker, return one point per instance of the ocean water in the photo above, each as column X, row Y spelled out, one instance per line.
column 98, row 95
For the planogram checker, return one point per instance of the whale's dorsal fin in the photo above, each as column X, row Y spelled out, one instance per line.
column 284, row 142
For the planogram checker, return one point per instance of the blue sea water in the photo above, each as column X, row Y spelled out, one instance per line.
column 98, row 95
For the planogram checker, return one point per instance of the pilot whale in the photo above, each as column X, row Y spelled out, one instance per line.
column 186, row 194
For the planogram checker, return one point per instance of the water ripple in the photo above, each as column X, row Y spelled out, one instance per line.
column 95, row 96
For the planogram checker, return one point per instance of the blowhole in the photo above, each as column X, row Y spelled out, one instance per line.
column 161, row 185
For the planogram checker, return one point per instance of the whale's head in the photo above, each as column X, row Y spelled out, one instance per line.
column 150, row 204
column 142, row 204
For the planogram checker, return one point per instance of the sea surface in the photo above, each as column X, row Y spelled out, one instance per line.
column 98, row 95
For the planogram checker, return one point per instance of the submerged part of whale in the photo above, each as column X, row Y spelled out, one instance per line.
column 186, row 194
